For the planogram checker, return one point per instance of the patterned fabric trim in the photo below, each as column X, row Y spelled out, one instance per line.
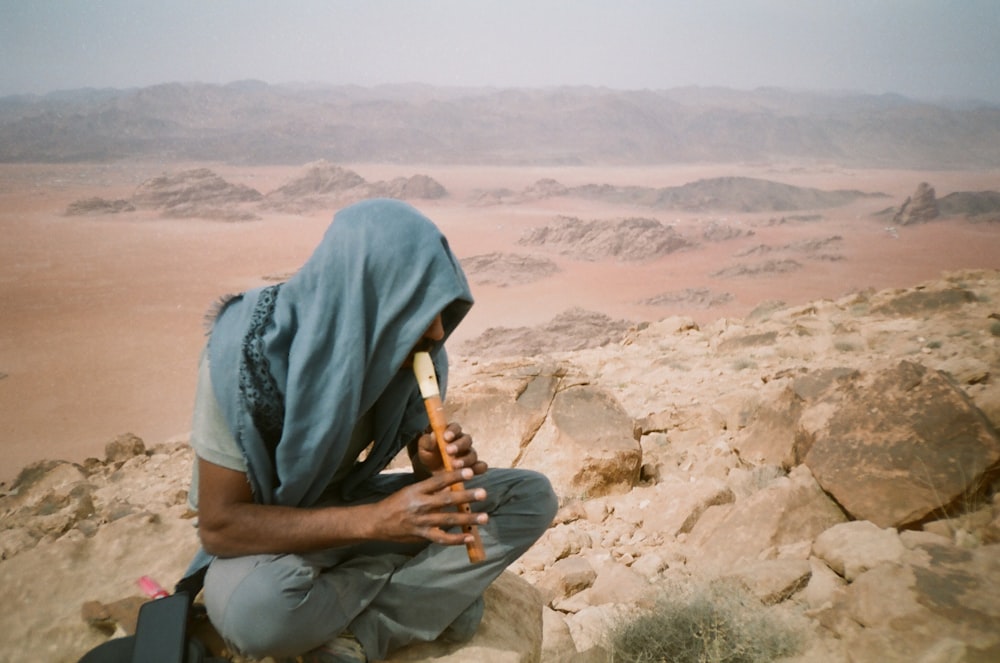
column 257, row 386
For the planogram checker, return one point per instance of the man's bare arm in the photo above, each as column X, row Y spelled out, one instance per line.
column 230, row 523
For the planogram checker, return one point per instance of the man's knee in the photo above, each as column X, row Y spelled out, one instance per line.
column 533, row 500
column 543, row 496
column 258, row 612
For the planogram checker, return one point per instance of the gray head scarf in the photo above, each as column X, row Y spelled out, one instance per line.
column 295, row 366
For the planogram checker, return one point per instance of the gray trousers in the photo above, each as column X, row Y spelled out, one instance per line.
column 387, row 595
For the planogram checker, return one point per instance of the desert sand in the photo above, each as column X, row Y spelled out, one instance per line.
column 103, row 315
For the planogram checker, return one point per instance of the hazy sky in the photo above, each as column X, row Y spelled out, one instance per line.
column 919, row 48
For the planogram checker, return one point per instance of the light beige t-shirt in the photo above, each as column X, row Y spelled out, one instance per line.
column 212, row 440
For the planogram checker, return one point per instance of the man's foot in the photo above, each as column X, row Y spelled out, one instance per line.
column 345, row 648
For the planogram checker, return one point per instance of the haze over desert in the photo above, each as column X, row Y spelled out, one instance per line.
column 103, row 314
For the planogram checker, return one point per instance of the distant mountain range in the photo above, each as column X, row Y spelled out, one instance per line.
column 251, row 122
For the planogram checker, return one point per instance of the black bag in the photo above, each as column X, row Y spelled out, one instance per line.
column 161, row 636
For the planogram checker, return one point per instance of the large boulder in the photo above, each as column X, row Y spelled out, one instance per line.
column 852, row 548
column 936, row 598
column 504, row 406
column 776, row 433
column 901, row 443
column 775, row 436
column 511, row 630
column 787, row 514
column 587, row 445
column 534, row 415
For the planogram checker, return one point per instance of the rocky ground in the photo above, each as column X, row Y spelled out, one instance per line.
column 837, row 461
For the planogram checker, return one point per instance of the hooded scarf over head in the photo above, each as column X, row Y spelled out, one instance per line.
column 294, row 366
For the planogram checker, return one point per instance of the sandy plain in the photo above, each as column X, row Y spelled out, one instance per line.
column 103, row 315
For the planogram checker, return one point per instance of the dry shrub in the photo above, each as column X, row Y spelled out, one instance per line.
column 714, row 623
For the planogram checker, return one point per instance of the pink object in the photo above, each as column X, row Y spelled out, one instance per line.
column 152, row 588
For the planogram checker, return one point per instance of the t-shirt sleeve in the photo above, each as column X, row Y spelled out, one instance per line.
column 210, row 435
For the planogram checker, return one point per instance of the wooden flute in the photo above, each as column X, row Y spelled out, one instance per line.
column 423, row 368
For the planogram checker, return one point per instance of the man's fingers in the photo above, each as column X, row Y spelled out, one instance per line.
column 428, row 442
column 458, row 446
column 440, row 493
column 443, row 480
column 461, row 451
column 438, row 535
column 452, row 520
column 449, row 497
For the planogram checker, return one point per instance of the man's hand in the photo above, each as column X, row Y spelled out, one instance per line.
column 425, row 510
column 459, row 446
